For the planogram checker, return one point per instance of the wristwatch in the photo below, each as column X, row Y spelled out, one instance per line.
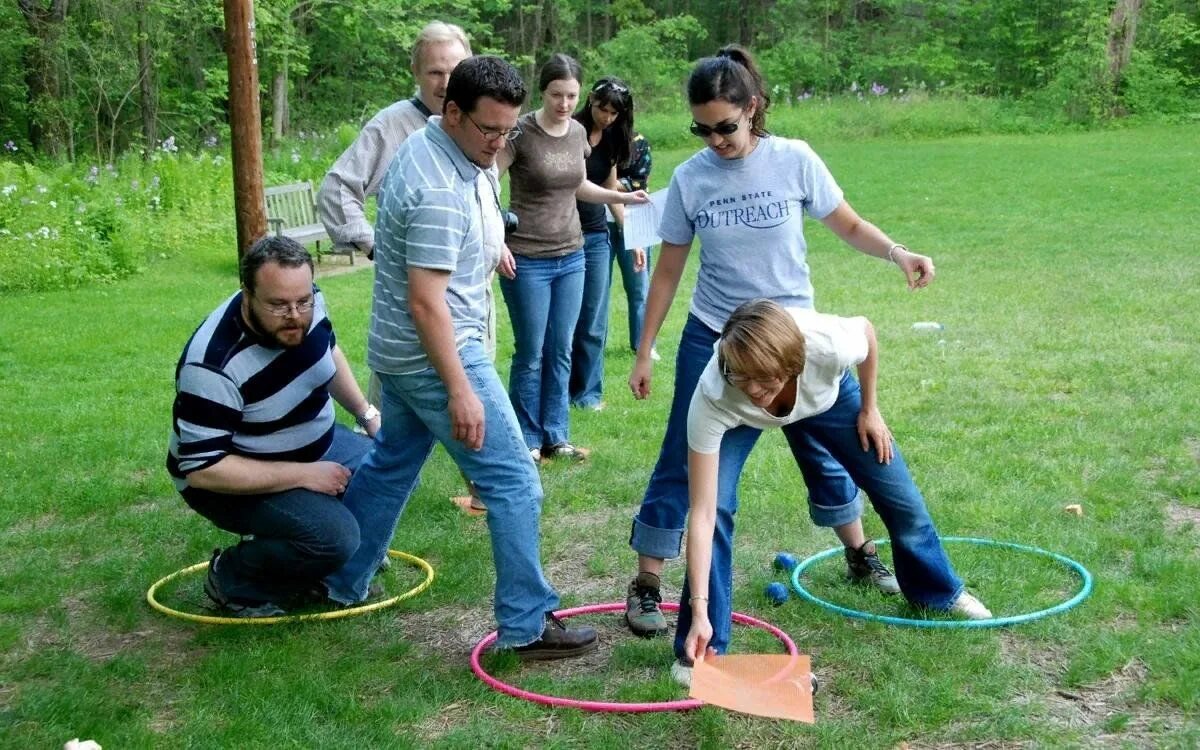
column 368, row 414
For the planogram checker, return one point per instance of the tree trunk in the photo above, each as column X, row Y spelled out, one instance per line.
column 42, row 75
column 245, row 125
column 279, row 99
column 1122, row 30
column 148, row 100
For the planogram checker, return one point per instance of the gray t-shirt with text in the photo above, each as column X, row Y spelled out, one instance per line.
column 748, row 215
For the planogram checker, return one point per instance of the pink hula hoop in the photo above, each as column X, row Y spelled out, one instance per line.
column 608, row 706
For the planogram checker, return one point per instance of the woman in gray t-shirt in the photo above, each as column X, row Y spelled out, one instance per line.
column 744, row 197
column 546, row 175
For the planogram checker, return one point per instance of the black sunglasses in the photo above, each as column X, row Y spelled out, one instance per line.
column 723, row 129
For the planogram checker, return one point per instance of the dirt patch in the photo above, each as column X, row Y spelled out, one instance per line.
column 336, row 265
column 1043, row 657
column 86, row 634
column 28, row 525
column 450, row 717
column 1180, row 517
column 1193, row 447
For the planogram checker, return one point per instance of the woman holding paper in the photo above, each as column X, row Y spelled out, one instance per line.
column 744, row 197
column 546, row 170
column 635, row 263
column 607, row 117
column 789, row 368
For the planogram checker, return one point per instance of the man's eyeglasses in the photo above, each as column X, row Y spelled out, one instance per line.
column 723, row 129
column 491, row 135
column 285, row 310
column 611, row 85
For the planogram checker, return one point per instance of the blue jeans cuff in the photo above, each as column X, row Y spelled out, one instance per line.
column 514, row 642
column 664, row 544
column 838, row 515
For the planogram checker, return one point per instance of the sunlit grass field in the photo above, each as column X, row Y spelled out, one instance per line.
column 1068, row 372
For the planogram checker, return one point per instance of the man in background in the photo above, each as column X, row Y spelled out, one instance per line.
column 359, row 171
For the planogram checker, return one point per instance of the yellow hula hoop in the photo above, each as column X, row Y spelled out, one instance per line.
column 336, row 614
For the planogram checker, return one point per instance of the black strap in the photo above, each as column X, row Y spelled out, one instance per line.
column 420, row 105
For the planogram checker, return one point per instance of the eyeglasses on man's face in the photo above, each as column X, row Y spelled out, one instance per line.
column 285, row 310
column 492, row 135
column 722, row 129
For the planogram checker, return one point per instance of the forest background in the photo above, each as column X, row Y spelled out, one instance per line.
column 114, row 113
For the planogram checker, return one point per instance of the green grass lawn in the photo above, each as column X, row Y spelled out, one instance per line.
column 1068, row 372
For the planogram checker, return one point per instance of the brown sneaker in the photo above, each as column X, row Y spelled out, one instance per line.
column 863, row 565
column 642, row 611
column 567, row 451
column 559, row 642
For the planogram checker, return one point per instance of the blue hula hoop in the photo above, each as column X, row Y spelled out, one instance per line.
column 1084, row 591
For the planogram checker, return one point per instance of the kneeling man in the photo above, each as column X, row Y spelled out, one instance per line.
column 254, row 447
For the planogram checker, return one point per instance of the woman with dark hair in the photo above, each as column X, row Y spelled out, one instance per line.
column 743, row 196
column 607, row 117
column 546, row 174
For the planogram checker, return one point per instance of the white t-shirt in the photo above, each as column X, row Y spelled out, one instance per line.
column 748, row 214
column 832, row 344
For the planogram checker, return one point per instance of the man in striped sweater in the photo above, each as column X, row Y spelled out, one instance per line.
column 254, row 447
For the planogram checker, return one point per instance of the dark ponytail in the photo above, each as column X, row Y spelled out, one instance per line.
column 732, row 76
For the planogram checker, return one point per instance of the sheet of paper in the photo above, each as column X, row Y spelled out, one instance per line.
column 641, row 221
column 777, row 686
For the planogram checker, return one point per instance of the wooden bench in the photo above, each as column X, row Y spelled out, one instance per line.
column 292, row 213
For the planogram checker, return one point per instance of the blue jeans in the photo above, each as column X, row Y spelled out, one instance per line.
column 415, row 415
column 658, row 526
column 299, row 536
column 543, row 304
column 926, row 577
column 591, row 332
column 636, row 283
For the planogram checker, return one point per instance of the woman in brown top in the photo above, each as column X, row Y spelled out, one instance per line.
column 546, row 175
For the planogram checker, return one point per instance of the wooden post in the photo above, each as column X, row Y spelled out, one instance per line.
column 245, row 123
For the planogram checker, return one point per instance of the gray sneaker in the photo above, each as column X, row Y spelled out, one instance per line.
column 864, row 566
column 642, row 613
column 230, row 606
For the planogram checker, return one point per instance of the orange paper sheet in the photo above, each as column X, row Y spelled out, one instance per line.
column 773, row 685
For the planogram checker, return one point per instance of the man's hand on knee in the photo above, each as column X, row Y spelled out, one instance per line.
column 326, row 477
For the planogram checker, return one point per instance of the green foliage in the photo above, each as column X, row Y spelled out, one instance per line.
column 650, row 57
column 1082, row 88
column 67, row 226
column 345, row 61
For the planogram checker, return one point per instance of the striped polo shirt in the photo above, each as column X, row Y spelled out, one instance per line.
column 433, row 205
column 238, row 394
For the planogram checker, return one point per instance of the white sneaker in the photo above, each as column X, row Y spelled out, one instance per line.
column 682, row 674
column 654, row 355
column 536, row 455
column 970, row 608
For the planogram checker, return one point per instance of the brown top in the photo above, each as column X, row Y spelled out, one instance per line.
column 545, row 173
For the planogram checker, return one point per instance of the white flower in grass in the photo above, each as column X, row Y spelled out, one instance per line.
column 53, row 204
column 295, row 157
column 44, row 232
column 9, row 189
column 43, row 189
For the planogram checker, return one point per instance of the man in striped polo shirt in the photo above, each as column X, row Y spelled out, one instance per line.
column 439, row 236
column 254, row 447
